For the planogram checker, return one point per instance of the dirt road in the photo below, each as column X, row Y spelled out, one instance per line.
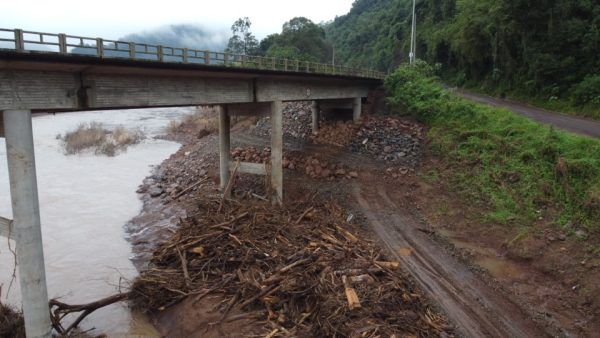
column 477, row 309
column 574, row 124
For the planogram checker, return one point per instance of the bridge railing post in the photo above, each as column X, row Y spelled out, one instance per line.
column 132, row 50
column 19, row 44
column 62, row 43
column 26, row 223
column 206, row 57
column 159, row 53
column 99, row 47
column 184, row 55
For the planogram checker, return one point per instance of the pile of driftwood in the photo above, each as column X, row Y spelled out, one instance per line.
column 302, row 268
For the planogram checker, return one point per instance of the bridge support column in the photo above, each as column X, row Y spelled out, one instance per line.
column 357, row 109
column 26, row 223
column 277, row 151
column 224, row 146
column 315, row 116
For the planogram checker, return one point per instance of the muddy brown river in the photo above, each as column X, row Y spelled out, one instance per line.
column 85, row 201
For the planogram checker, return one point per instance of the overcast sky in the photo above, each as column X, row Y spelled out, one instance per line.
column 114, row 18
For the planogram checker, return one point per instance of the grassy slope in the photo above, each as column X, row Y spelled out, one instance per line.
column 512, row 166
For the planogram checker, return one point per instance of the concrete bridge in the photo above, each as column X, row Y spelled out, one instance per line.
column 43, row 72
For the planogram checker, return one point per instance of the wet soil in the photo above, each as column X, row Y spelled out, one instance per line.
column 486, row 287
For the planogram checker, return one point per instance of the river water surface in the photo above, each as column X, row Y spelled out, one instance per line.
column 85, row 200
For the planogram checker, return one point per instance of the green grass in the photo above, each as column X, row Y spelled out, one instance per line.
column 511, row 165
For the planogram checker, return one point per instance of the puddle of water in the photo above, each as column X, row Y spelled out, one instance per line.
column 85, row 201
column 485, row 257
column 499, row 268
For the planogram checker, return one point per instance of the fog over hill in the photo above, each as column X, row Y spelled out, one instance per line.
column 183, row 35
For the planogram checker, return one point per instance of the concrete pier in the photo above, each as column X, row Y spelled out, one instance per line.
column 26, row 222
column 224, row 146
column 315, row 116
column 277, row 151
column 356, row 109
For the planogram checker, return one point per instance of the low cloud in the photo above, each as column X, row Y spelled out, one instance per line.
column 183, row 35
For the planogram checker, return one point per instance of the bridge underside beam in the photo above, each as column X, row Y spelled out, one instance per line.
column 64, row 91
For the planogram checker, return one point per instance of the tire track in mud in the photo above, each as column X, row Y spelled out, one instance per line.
column 477, row 309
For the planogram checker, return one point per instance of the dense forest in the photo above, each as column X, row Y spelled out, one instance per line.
column 542, row 49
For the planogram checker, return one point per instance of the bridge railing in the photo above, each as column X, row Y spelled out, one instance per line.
column 30, row 41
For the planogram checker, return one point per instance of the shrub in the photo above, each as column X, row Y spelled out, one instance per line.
column 93, row 136
column 203, row 121
column 11, row 322
column 587, row 92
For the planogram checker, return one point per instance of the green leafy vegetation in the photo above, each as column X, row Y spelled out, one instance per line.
column 300, row 39
column 242, row 41
column 543, row 51
column 517, row 169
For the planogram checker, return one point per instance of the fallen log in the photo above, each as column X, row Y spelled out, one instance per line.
column 60, row 310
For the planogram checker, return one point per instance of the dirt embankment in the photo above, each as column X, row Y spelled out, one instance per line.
column 489, row 279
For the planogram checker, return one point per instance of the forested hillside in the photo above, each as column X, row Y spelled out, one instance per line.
column 542, row 49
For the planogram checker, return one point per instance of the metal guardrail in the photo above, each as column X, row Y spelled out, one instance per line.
column 27, row 41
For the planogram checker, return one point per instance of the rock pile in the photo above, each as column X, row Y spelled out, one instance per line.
column 179, row 173
column 311, row 165
column 318, row 168
column 297, row 121
column 398, row 172
column 339, row 133
column 389, row 139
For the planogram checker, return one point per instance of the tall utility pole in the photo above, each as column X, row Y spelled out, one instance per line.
column 413, row 35
column 333, row 56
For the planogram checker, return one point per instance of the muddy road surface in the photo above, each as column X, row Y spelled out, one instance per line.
column 477, row 309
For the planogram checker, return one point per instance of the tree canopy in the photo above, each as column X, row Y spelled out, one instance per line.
column 300, row 39
column 242, row 41
column 544, row 48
